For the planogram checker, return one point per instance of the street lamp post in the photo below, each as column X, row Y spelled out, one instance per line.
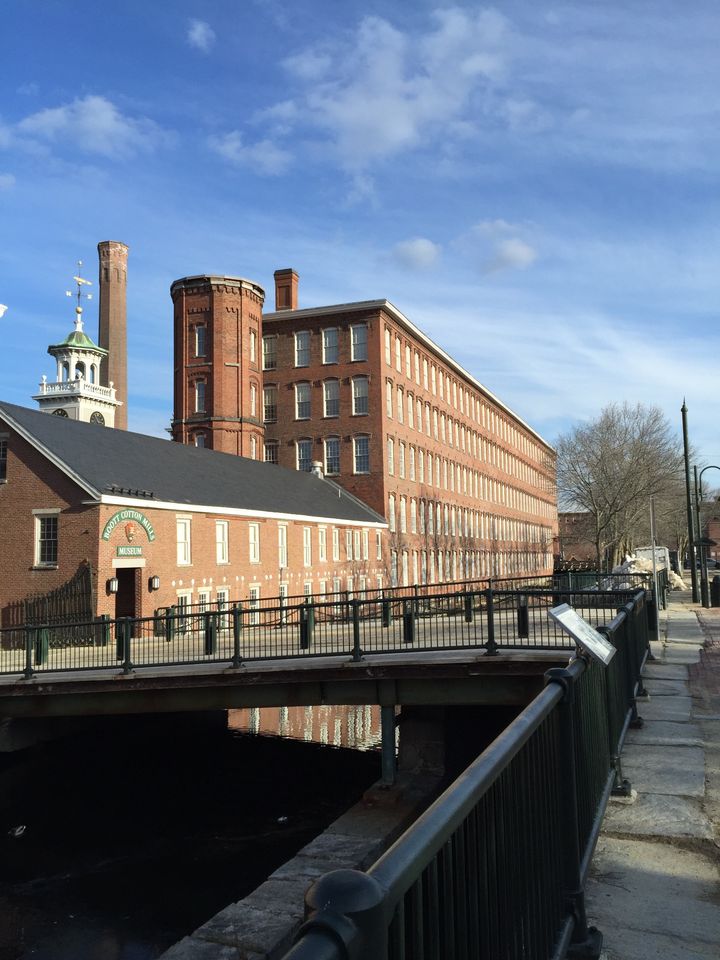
column 704, row 589
column 691, row 538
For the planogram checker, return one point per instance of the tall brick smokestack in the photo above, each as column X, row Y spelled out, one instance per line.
column 112, row 332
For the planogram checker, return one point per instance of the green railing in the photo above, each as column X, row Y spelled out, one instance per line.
column 489, row 621
column 496, row 867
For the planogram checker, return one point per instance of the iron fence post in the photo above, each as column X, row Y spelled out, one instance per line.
column 469, row 613
column 386, row 611
column 357, row 652
column 491, row 646
column 345, row 908
column 307, row 624
column 124, row 627
column 586, row 942
column 210, row 634
column 408, row 622
column 42, row 644
column 621, row 786
column 170, row 624
column 29, row 645
column 523, row 617
column 236, row 614
column 103, row 630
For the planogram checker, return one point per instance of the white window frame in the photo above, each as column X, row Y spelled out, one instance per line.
column 222, row 542
column 331, row 404
column 302, row 348
column 330, row 349
column 307, row 546
column 254, row 542
column 358, row 344
column 39, row 517
column 183, row 529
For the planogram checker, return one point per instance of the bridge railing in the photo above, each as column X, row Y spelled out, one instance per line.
column 496, row 867
column 492, row 621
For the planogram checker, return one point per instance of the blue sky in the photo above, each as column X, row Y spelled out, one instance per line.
column 534, row 185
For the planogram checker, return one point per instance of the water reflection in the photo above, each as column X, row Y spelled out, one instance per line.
column 339, row 726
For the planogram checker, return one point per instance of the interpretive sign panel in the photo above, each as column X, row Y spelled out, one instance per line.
column 585, row 636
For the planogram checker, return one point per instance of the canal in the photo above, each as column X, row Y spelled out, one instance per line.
column 116, row 843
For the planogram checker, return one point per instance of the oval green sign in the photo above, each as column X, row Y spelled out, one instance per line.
column 128, row 514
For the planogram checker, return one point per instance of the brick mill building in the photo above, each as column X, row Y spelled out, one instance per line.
column 157, row 524
column 467, row 487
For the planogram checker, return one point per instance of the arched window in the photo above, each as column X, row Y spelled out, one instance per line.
column 332, row 455
column 360, row 395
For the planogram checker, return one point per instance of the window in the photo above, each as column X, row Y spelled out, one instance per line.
column 332, row 455
column 254, row 542
column 302, row 348
column 389, row 398
column 417, row 368
column 398, row 362
column 388, row 354
column 183, row 541
column 302, row 401
column 253, row 346
column 401, row 461
column 403, row 515
column 282, row 546
column 307, row 546
column 408, row 366
column 269, row 353
column 413, row 516
column 400, row 405
column 393, row 568
column 199, row 440
column 253, row 400
column 356, row 542
column 378, row 545
column 253, row 448
column 348, row 545
column 221, row 541
column 304, row 455
column 271, row 451
column 365, row 545
column 358, row 342
column 254, row 604
column 360, row 395
column 46, row 539
column 391, row 513
column 411, row 411
column 361, row 454
column 270, row 396
column 200, row 340
column 203, row 600
column 425, row 373
column 390, row 455
column 322, row 545
column 331, row 398
column 336, row 544
column 433, row 378
column 200, row 396
column 412, row 463
column 330, row 345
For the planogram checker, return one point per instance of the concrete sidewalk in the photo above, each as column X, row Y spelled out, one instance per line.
column 654, row 886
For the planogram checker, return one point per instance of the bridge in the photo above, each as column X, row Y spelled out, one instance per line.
column 497, row 865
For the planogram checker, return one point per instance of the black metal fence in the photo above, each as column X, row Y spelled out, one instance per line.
column 490, row 621
column 496, row 867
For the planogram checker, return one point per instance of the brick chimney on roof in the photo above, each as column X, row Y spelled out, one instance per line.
column 286, row 289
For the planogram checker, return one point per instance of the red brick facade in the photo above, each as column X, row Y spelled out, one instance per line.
column 227, row 554
column 467, row 487
column 112, row 326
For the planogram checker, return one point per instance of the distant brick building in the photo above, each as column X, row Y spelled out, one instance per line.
column 575, row 539
column 467, row 487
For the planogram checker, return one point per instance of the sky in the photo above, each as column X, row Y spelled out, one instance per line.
column 534, row 185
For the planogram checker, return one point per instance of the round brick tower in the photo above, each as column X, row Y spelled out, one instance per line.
column 112, row 326
column 218, row 355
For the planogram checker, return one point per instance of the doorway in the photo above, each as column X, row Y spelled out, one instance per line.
column 126, row 597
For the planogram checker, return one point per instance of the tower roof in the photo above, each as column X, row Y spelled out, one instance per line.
column 77, row 339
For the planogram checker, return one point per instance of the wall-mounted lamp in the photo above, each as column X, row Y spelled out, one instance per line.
column 113, row 585
column 154, row 583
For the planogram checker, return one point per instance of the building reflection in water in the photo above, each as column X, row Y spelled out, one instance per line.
column 339, row 726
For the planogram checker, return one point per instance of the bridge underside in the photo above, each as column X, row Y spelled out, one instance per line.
column 446, row 679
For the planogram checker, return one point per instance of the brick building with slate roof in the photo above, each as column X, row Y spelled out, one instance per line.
column 211, row 526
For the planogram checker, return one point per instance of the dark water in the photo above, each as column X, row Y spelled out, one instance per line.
column 139, row 832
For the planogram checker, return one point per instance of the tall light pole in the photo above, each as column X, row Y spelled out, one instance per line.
column 691, row 538
column 705, row 593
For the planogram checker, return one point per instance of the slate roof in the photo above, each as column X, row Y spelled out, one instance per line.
column 134, row 466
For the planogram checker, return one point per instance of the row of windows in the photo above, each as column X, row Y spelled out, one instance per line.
column 430, row 566
column 422, row 416
column 330, row 399
column 331, row 454
column 432, row 517
column 453, row 392
column 357, row 543
column 201, row 343
column 415, row 463
column 329, row 346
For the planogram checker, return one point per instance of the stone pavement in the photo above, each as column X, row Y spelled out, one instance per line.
column 654, row 885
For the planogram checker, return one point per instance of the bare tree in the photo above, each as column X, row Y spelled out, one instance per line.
column 612, row 466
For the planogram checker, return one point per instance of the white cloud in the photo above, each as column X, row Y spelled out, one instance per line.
column 418, row 253
column 93, row 124
column 501, row 245
column 263, row 157
column 7, row 181
column 200, row 35
column 388, row 91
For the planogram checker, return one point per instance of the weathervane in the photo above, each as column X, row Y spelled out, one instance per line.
column 81, row 282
